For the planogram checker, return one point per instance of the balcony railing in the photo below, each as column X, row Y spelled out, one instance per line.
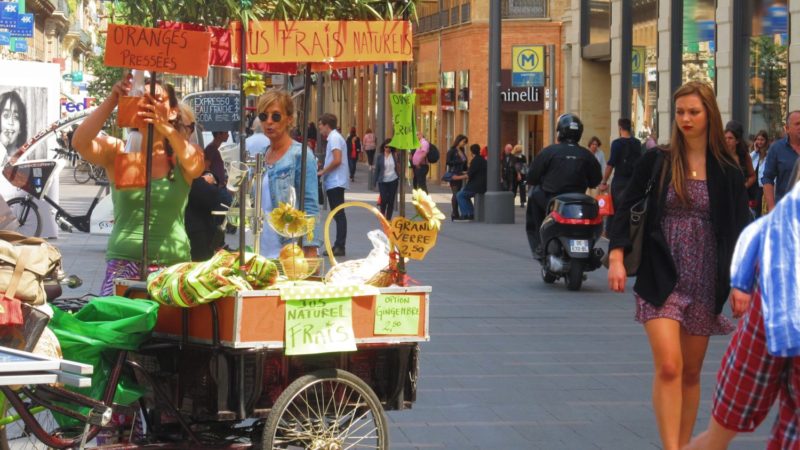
column 524, row 9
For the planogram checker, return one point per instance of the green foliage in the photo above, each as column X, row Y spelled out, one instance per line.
column 220, row 13
column 768, row 80
column 105, row 77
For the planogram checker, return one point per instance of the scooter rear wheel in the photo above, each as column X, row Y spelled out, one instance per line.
column 548, row 277
column 574, row 277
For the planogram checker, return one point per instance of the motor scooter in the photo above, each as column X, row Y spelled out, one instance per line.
column 569, row 234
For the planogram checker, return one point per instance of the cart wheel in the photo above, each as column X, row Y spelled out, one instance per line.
column 329, row 409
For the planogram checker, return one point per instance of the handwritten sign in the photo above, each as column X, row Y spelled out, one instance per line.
column 325, row 41
column 405, row 127
column 319, row 326
column 413, row 238
column 174, row 51
column 216, row 111
column 397, row 314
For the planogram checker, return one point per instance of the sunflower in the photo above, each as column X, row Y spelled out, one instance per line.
column 426, row 208
column 290, row 222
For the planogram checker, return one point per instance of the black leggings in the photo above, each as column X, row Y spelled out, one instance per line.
column 455, row 186
column 388, row 193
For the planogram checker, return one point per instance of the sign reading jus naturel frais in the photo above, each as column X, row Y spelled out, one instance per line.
column 158, row 50
column 326, row 41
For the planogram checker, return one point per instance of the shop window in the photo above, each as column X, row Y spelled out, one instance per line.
column 769, row 63
column 699, row 41
column 644, row 67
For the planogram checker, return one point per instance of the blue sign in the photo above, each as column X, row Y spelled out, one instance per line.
column 8, row 14
column 5, row 38
column 535, row 79
column 24, row 28
column 636, row 79
column 20, row 46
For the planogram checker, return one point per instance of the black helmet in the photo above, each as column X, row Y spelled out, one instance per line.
column 569, row 128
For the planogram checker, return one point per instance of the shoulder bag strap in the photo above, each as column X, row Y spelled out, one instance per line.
column 11, row 291
column 657, row 169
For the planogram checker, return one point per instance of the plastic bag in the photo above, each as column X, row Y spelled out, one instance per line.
column 359, row 271
column 93, row 336
column 605, row 204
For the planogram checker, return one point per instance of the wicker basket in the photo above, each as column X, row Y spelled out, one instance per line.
column 389, row 274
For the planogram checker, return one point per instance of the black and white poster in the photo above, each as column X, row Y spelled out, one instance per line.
column 29, row 103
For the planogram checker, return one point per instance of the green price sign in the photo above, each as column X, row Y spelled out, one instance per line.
column 397, row 314
column 405, row 127
column 319, row 326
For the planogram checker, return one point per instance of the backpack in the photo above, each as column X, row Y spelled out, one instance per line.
column 433, row 154
column 632, row 154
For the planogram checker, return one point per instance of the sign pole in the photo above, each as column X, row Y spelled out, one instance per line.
column 242, row 145
column 147, row 186
column 304, row 144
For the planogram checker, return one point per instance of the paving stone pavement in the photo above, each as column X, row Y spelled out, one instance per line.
column 512, row 363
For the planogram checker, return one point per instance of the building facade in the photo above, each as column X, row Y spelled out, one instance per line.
column 451, row 74
column 624, row 58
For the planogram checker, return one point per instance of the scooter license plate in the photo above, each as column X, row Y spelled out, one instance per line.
column 579, row 245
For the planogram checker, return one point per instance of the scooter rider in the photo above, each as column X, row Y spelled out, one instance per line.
column 561, row 168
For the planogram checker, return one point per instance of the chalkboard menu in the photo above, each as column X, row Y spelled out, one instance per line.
column 216, row 110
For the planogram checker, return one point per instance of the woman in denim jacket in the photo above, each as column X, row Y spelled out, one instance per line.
column 283, row 164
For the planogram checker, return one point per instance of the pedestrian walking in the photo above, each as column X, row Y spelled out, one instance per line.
column 334, row 177
column 625, row 151
column 682, row 281
column 762, row 362
column 203, row 228
column 476, row 183
column 354, row 151
column 387, row 178
column 456, row 159
column 213, row 158
column 738, row 147
column 419, row 164
column 781, row 157
column 758, row 155
column 369, row 146
column 506, row 168
column 520, row 172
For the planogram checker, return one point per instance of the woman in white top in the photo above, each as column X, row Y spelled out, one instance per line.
column 759, row 157
column 386, row 177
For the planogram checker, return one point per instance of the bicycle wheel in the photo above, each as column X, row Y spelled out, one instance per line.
column 98, row 174
column 82, row 172
column 329, row 408
column 27, row 214
column 15, row 435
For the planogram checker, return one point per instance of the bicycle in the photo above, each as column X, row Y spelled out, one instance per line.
column 85, row 171
column 30, row 219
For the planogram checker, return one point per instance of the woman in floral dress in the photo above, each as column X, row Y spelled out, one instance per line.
column 695, row 214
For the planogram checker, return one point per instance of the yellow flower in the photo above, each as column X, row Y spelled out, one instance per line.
column 289, row 222
column 253, row 84
column 427, row 208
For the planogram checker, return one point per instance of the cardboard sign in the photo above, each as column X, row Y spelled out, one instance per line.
column 128, row 112
column 319, row 326
column 326, row 41
column 216, row 111
column 405, row 127
column 174, row 51
column 413, row 239
column 396, row 314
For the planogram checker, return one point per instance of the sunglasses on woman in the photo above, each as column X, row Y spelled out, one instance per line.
column 276, row 116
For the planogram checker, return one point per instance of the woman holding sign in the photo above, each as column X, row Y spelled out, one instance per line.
column 176, row 163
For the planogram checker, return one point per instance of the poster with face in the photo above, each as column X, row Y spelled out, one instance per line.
column 23, row 113
column 29, row 103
